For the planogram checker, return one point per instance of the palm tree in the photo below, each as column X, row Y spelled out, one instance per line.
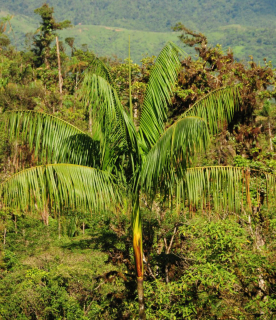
column 94, row 171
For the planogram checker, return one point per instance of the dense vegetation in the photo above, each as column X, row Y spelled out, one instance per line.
column 150, row 15
column 209, row 256
column 246, row 26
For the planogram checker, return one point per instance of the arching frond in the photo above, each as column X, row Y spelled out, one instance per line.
column 170, row 155
column 216, row 107
column 225, row 188
column 108, row 113
column 99, row 68
column 220, row 187
column 158, row 93
column 59, row 185
column 96, row 92
column 270, row 189
column 53, row 138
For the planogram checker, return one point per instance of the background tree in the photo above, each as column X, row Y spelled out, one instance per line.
column 46, row 34
column 214, row 69
column 4, row 40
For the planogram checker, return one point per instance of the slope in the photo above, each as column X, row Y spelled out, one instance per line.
column 247, row 27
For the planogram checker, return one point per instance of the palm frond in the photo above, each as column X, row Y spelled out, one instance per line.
column 270, row 189
column 225, row 188
column 99, row 68
column 59, row 185
column 118, row 130
column 52, row 138
column 96, row 92
column 170, row 155
column 218, row 187
column 216, row 107
column 158, row 93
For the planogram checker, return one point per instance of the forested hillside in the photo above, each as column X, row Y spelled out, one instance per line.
column 155, row 15
column 246, row 26
column 134, row 191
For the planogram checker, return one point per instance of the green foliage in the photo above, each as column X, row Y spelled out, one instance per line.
column 248, row 28
column 219, row 267
column 170, row 155
column 46, row 277
column 158, row 94
column 111, row 124
column 61, row 184
column 208, row 231
column 216, row 107
column 43, row 40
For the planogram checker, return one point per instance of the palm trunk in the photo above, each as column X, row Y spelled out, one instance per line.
column 138, row 254
column 140, row 289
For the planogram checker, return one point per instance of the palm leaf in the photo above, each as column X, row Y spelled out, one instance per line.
column 61, row 185
column 96, row 92
column 52, row 138
column 220, row 187
column 170, row 155
column 216, row 107
column 99, row 68
column 224, row 188
column 117, row 129
column 158, row 93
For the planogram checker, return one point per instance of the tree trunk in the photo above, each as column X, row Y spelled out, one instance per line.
column 138, row 254
column 168, row 250
column 129, row 82
column 60, row 80
column 270, row 136
column 5, row 232
column 259, row 243
column 15, row 157
column 45, row 215
column 140, row 289
column 247, row 185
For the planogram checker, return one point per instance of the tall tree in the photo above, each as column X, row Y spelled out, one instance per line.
column 4, row 40
column 46, row 33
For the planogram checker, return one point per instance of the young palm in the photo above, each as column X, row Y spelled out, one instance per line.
column 93, row 171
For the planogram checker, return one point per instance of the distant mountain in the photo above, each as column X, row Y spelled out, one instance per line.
column 248, row 26
column 155, row 15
